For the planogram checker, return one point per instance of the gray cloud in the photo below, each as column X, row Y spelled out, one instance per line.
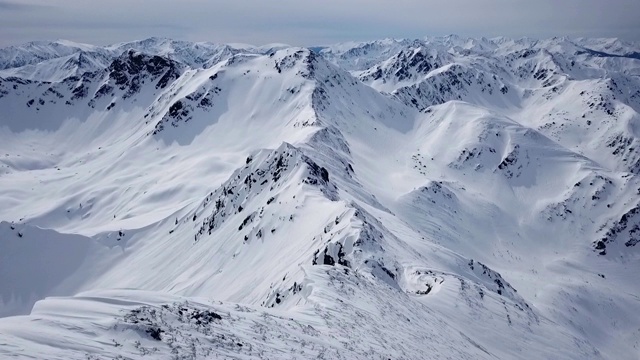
column 19, row 6
column 7, row 5
column 304, row 22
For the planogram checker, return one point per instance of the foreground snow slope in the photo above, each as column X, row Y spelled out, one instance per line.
column 439, row 198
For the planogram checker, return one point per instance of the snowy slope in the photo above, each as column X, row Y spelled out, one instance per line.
column 435, row 198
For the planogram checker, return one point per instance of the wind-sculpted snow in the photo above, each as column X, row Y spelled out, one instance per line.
column 406, row 199
column 42, row 259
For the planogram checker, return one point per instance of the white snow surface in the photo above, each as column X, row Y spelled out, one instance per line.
column 437, row 198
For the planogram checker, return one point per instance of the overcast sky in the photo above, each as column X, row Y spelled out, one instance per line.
column 311, row 22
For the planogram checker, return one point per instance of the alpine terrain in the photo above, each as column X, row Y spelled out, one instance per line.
column 437, row 198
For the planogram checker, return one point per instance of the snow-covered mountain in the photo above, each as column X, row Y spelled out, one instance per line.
column 55, row 61
column 407, row 199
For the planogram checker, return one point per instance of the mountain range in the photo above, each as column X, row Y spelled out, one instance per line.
column 436, row 198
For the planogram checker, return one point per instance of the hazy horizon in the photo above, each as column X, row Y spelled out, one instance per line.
column 307, row 24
